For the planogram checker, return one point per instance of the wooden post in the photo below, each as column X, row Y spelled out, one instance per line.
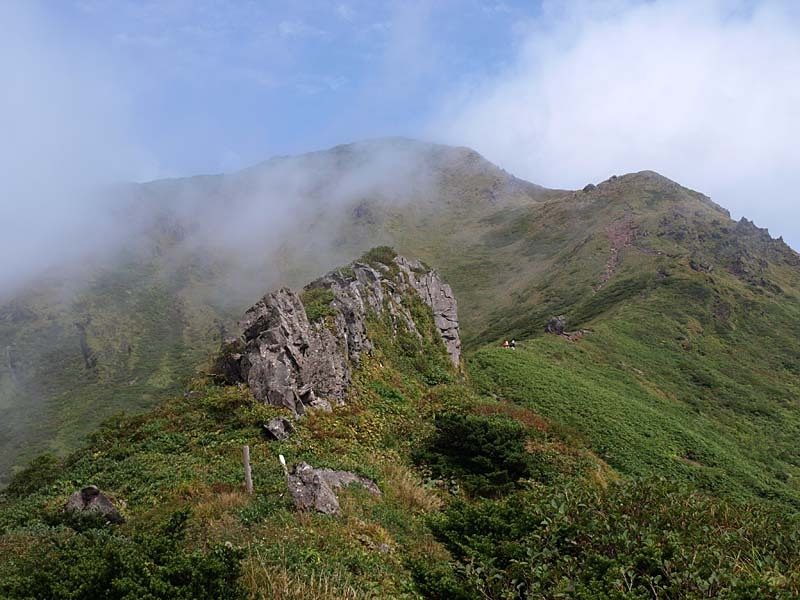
column 248, row 478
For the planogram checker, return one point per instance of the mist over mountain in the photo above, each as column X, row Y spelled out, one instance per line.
column 530, row 337
column 179, row 259
column 653, row 378
column 163, row 267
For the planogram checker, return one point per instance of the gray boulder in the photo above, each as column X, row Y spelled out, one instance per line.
column 91, row 498
column 288, row 360
column 312, row 489
column 556, row 325
column 278, row 429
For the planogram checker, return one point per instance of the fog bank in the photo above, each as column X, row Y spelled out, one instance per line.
column 706, row 93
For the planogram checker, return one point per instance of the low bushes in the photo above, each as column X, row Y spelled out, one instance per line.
column 485, row 454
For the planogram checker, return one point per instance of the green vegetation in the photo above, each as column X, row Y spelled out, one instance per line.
column 632, row 540
column 652, row 455
column 514, row 505
column 657, row 392
column 427, row 356
column 96, row 562
column 317, row 303
column 486, row 454
column 384, row 255
column 146, row 338
column 347, row 272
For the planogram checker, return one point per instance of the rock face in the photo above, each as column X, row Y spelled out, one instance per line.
column 313, row 488
column 289, row 360
column 438, row 295
column 91, row 498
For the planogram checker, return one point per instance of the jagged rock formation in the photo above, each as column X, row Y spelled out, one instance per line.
column 439, row 297
column 91, row 498
column 313, row 488
column 556, row 325
column 302, row 357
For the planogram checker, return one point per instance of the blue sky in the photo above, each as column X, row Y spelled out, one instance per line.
column 558, row 92
column 217, row 85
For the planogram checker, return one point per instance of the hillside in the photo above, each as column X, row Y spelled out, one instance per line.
column 477, row 496
column 132, row 324
column 692, row 357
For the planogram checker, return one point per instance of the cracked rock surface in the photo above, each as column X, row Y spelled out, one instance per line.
column 313, row 488
column 289, row 360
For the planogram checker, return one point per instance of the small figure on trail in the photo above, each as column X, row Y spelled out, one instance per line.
column 505, row 344
column 513, row 344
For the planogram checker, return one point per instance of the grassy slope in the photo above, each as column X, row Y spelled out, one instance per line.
column 187, row 453
column 690, row 369
column 570, row 529
column 696, row 326
column 167, row 300
column 145, row 337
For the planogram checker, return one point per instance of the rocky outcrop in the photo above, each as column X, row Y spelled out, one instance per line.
column 89, row 357
column 91, row 498
column 438, row 295
column 313, row 488
column 278, row 429
column 291, row 360
column 556, row 325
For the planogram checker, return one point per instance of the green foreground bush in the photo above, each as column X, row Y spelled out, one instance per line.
column 100, row 562
column 486, row 454
column 633, row 539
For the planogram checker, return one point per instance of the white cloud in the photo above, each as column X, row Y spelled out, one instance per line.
column 66, row 129
column 345, row 12
column 296, row 28
column 705, row 93
column 142, row 41
column 496, row 7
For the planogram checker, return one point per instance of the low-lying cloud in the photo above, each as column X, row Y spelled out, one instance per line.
column 65, row 131
column 707, row 93
column 69, row 119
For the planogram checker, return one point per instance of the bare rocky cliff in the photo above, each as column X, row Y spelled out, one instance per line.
column 298, row 349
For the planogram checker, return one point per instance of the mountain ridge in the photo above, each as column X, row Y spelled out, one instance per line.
column 462, row 489
column 515, row 254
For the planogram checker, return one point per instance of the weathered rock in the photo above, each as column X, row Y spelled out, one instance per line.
column 279, row 428
column 89, row 356
column 91, row 498
column 439, row 296
column 290, row 361
column 313, row 488
column 556, row 325
column 310, row 491
column 700, row 266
